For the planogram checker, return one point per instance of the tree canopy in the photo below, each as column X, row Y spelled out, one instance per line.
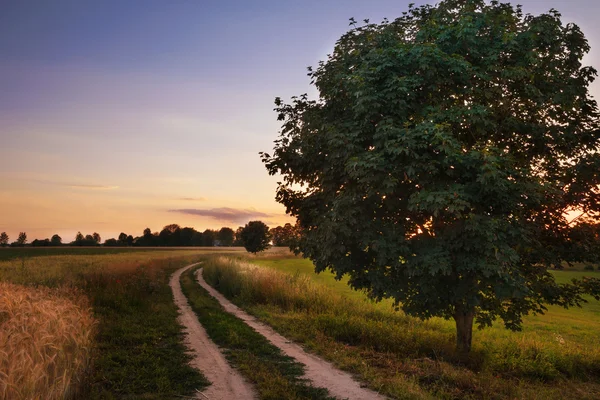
column 255, row 236
column 170, row 235
column 4, row 239
column 175, row 235
column 22, row 239
column 87, row 240
column 56, row 240
column 284, row 235
column 444, row 159
column 225, row 236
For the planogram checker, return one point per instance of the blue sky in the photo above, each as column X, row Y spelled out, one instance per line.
column 115, row 113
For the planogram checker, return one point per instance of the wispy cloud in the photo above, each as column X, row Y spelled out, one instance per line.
column 225, row 214
column 91, row 187
column 192, row 199
column 73, row 185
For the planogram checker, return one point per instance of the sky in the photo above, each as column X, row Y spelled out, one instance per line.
column 121, row 115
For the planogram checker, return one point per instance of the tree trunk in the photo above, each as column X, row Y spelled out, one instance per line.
column 464, row 330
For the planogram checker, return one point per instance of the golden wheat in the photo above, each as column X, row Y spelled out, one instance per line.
column 45, row 342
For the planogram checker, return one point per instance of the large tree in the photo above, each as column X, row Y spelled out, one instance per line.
column 238, row 236
column 443, row 160
column 79, row 238
column 147, row 239
column 123, row 239
column 186, row 237
column 208, row 238
column 255, row 236
column 169, row 236
column 284, row 235
column 4, row 239
column 226, row 236
column 56, row 240
column 89, row 241
column 22, row 238
column 111, row 242
column 96, row 238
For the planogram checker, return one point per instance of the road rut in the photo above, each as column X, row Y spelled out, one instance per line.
column 318, row 371
column 226, row 382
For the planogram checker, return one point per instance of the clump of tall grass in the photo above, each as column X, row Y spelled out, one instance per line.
column 45, row 342
column 350, row 321
column 305, row 310
column 254, row 284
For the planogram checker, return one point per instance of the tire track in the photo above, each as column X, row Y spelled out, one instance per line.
column 226, row 382
column 318, row 371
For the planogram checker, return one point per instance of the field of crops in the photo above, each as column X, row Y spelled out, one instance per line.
column 92, row 323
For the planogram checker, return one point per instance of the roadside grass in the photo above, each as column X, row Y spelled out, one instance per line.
column 275, row 375
column 137, row 351
column 576, row 325
column 404, row 357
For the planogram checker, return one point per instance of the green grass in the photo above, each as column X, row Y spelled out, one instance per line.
column 578, row 325
column 9, row 253
column 294, row 265
column 138, row 350
column 276, row 376
column 554, row 357
column 140, row 354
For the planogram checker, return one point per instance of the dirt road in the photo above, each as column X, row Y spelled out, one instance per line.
column 321, row 373
column 227, row 383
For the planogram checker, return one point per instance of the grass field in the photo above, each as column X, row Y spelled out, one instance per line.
column 9, row 253
column 579, row 325
column 137, row 350
column 556, row 356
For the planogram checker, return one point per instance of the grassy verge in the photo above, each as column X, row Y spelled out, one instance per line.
column 137, row 352
column 275, row 375
column 140, row 352
column 404, row 357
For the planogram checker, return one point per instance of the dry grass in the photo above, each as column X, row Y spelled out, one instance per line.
column 45, row 342
column 272, row 253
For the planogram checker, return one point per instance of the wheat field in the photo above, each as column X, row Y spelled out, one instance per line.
column 74, row 322
column 45, row 342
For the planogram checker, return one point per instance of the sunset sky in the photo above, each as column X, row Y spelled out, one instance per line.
column 121, row 115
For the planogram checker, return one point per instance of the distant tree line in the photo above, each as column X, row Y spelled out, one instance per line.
column 285, row 236
column 21, row 240
column 55, row 240
column 175, row 236
column 88, row 240
column 255, row 236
